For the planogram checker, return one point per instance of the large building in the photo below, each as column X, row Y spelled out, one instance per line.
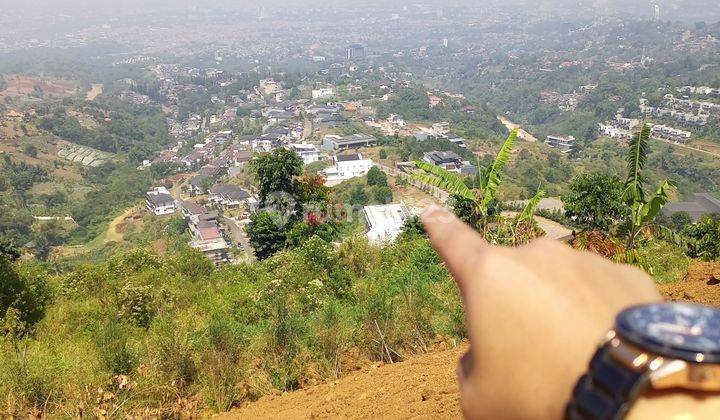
column 384, row 223
column 346, row 167
column 448, row 160
column 563, row 143
column 354, row 141
column 354, row 51
column 206, row 235
column 159, row 201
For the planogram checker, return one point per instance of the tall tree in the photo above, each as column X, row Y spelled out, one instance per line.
column 595, row 201
column 275, row 173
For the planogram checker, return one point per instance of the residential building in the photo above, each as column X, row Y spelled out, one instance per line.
column 323, row 93
column 211, row 242
column 354, row 141
column 308, row 152
column 384, row 223
column 346, row 167
column 355, row 51
column 562, row 143
column 448, row 160
column 697, row 206
column 159, row 201
column 228, row 195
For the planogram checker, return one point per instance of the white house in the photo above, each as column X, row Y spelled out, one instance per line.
column 323, row 93
column 308, row 152
column 159, row 201
column 347, row 167
column 384, row 223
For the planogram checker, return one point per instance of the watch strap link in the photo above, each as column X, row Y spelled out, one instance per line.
column 607, row 391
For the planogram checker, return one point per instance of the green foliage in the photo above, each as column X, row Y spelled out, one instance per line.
column 24, row 296
column 704, row 238
column 376, row 177
column 30, row 150
column 267, row 232
column 8, row 250
column 642, row 211
column 275, row 172
column 595, row 201
column 383, row 194
column 230, row 336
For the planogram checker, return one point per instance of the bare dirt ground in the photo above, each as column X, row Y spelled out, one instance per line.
column 701, row 284
column 423, row 387
column 524, row 135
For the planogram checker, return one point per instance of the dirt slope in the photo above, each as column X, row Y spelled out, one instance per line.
column 421, row 387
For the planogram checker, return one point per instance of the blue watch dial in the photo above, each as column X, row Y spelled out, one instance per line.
column 680, row 330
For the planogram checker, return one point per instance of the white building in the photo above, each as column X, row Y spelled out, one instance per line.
column 564, row 144
column 323, row 93
column 347, row 167
column 159, row 201
column 384, row 223
column 308, row 152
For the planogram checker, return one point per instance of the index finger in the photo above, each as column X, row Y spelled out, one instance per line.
column 460, row 246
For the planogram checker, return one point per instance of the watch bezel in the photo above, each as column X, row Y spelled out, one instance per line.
column 625, row 330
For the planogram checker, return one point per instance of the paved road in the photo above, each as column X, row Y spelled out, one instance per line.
column 238, row 236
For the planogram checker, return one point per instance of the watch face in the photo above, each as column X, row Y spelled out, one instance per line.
column 680, row 330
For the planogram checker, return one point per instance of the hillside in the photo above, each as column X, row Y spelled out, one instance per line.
column 421, row 387
column 424, row 386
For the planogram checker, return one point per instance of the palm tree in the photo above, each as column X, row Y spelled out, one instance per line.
column 642, row 210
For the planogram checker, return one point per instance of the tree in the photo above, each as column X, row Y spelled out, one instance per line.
column 24, row 294
column 275, row 172
column 8, row 250
column 267, row 234
column 358, row 196
column 383, row 194
column 376, row 177
column 642, row 210
column 595, row 201
column 704, row 239
column 30, row 150
column 480, row 201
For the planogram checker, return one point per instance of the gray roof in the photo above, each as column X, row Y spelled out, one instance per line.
column 699, row 205
column 440, row 158
column 347, row 158
column 161, row 199
column 229, row 191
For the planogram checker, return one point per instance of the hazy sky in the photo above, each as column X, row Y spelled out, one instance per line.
column 672, row 9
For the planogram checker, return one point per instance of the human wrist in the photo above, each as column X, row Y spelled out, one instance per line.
column 675, row 404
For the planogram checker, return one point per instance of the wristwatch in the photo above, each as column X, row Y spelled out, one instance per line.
column 652, row 347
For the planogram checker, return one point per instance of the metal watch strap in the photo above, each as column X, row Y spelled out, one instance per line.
column 608, row 390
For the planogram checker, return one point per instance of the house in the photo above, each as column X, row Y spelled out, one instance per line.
column 308, row 152
column 210, row 242
column 346, row 167
column 564, row 144
column 323, row 93
column 159, row 201
column 384, row 223
column 699, row 205
column 354, row 141
column 228, row 195
column 448, row 160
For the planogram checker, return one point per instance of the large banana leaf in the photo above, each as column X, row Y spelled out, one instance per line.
column 531, row 206
column 491, row 182
column 637, row 157
column 655, row 204
column 443, row 179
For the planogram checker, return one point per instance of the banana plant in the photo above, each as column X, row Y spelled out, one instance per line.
column 642, row 210
column 528, row 212
column 490, row 180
